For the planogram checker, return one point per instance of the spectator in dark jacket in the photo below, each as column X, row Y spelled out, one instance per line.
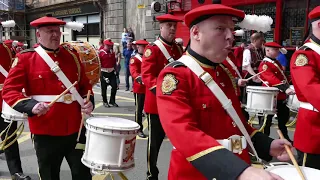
column 127, row 56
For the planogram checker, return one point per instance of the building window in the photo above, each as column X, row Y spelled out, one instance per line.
column 91, row 30
column 293, row 22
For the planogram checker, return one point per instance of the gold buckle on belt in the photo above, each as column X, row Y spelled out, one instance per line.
column 236, row 144
column 67, row 98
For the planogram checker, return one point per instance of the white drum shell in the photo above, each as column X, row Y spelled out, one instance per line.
column 9, row 114
column 293, row 103
column 107, row 148
column 262, row 100
column 289, row 172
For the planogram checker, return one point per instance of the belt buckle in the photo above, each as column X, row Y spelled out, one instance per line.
column 67, row 99
column 236, row 144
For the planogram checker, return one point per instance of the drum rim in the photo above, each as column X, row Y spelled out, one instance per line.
column 87, row 163
column 291, row 166
column 262, row 88
column 113, row 127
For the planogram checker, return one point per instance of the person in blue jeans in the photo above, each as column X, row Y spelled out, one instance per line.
column 127, row 56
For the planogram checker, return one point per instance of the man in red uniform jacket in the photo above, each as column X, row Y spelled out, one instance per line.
column 138, row 87
column 108, row 73
column 54, row 128
column 153, row 61
column 199, row 128
column 274, row 76
column 305, row 73
column 12, row 152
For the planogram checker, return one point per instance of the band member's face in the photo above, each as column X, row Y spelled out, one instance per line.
column 272, row 52
column 215, row 37
column 140, row 48
column 259, row 42
column 49, row 36
column 168, row 30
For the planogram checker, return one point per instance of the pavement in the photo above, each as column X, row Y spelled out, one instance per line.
column 125, row 110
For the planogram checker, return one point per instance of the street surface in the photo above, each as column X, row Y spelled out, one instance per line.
column 125, row 110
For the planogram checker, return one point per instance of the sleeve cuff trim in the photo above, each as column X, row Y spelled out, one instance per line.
column 23, row 99
column 137, row 77
column 153, row 87
column 203, row 153
column 278, row 84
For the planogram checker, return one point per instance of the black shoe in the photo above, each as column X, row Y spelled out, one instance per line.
column 106, row 105
column 1, row 151
column 20, row 176
column 143, row 115
column 127, row 89
column 141, row 134
column 114, row 104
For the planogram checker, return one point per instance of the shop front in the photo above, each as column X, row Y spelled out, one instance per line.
column 88, row 14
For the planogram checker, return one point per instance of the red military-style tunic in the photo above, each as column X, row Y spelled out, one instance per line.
column 29, row 71
column 194, row 119
column 108, row 59
column 153, row 61
column 274, row 75
column 135, row 70
column 5, row 62
column 305, row 73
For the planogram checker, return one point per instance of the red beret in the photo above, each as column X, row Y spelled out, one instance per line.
column 8, row 42
column 47, row 21
column 108, row 42
column 168, row 18
column 206, row 11
column 272, row 44
column 314, row 14
column 142, row 42
column 20, row 44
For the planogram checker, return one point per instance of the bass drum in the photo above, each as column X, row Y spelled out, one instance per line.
column 88, row 57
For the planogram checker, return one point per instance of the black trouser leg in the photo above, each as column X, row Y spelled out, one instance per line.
column 73, row 157
column 12, row 152
column 104, row 86
column 113, row 83
column 127, row 75
column 266, row 129
column 283, row 118
column 155, row 139
column 308, row 160
column 139, row 108
column 51, row 150
column 50, row 153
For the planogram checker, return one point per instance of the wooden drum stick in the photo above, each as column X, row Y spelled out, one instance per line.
column 83, row 116
column 255, row 75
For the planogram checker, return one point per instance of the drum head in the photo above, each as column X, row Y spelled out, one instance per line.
column 289, row 172
column 112, row 123
column 262, row 88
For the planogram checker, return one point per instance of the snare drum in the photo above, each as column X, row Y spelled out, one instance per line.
column 293, row 103
column 110, row 144
column 9, row 114
column 289, row 172
column 262, row 100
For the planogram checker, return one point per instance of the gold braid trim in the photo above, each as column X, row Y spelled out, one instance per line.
column 204, row 152
column 233, row 81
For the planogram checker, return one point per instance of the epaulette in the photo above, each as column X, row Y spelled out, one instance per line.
column 27, row 50
column 304, row 48
column 175, row 64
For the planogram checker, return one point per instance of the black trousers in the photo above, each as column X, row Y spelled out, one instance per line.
column 12, row 152
column 308, row 160
column 139, row 103
column 283, row 117
column 51, row 150
column 112, row 81
column 155, row 139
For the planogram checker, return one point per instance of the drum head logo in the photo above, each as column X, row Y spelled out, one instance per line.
column 129, row 145
column 169, row 84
